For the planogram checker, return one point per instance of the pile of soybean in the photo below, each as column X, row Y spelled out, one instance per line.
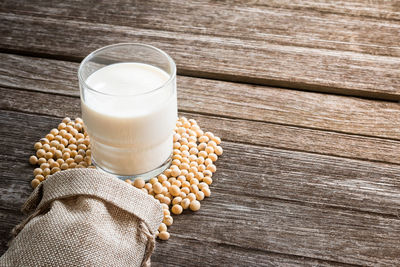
column 180, row 187
column 64, row 147
column 186, row 182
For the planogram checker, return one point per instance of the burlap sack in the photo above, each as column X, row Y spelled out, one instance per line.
column 83, row 217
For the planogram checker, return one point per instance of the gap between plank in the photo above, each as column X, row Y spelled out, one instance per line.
column 304, row 87
column 311, row 204
column 342, row 14
column 307, row 204
column 236, row 118
column 233, row 117
column 36, row 14
column 293, row 256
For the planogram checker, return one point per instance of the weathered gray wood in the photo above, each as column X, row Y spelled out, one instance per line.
column 329, row 63
column 271, row 203
column 235, row 130
column 267, row 172
column 260, row 103
column 243, row 219
column 283, row 23
column 183, row 251
column 194, row 252
column 382, row 9
column 344, row 236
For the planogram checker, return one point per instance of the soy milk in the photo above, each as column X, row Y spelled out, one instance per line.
column 129, row 120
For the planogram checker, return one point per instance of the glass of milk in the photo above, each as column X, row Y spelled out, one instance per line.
column 129, row 107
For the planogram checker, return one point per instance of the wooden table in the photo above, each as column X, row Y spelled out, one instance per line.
column 304, row 94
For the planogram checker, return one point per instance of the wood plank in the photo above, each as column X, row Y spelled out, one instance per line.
column 218, row 254
column 265, row 134
column 266, row 199
column 282, row 23
column 326, row 234
column 239, row 217
column 8, row 219
column 201, row 253
column 259, row 103
column 388, row 10
column 330, row 63
column 268, row 172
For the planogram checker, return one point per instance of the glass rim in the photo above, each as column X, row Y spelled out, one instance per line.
column 97, row 51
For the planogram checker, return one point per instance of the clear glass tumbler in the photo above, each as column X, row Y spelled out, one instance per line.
column 129, row 107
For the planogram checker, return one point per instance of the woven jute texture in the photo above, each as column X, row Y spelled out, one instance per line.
column 83, row 217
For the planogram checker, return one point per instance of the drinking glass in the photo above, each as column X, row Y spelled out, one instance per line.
column 130, row 129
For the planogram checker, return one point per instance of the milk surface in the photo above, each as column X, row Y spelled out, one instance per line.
column 129, row 122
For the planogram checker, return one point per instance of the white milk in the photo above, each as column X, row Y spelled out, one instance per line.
column 130, row 134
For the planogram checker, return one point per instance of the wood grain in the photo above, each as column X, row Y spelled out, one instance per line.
column 268, row 172
column 283, row 24
column 220, row 254
column 183, row 251
column 265, row 134
column 326, row 234
column 384, row 10
column 234, row 100
column 296, row 203
column 264, row 224
column 340, row 62
column 307, row 178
